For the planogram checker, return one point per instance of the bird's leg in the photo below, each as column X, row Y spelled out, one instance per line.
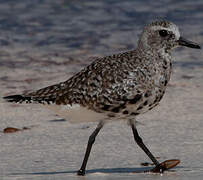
column 91, row 141
column 140, row 143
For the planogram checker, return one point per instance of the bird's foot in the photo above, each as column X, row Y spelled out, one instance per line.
column 81, row 172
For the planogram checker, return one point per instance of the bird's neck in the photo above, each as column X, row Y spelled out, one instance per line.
column 162, row 52
column 144, row 49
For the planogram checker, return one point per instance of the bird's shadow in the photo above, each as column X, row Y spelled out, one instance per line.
column 91, row 171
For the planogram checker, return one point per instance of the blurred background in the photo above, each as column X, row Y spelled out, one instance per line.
column 43, row 42
column 51, row 39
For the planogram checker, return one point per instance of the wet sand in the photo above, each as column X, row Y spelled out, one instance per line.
column 45, row 42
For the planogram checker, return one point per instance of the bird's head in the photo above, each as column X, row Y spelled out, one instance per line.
column 163, row 35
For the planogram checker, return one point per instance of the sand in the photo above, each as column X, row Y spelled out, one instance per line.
column 45, row 42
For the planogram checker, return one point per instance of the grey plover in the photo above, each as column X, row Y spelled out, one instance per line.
column 120, row 86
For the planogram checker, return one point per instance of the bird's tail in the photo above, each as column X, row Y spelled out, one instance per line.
column 45, row 95
column 18, row 98
column 29, row 99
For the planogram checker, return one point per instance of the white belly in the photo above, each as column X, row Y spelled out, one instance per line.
column 77, row 113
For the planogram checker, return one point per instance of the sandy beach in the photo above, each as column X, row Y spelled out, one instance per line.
column 46, row 42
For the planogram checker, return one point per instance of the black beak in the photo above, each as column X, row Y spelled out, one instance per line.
column 190, row 44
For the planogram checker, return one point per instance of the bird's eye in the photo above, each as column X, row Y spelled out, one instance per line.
column 163, row 33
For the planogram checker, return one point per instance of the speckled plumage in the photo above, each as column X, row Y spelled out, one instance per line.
column 115, row 87
column 124, row 84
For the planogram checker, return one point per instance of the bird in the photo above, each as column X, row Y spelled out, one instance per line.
column 116, row 87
